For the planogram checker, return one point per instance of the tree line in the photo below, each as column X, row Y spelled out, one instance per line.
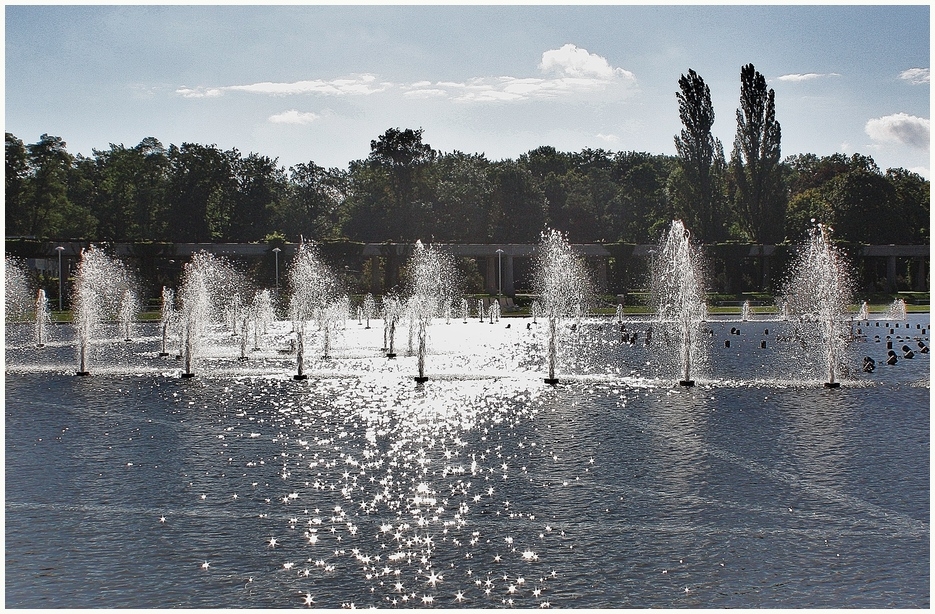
column 405, row 190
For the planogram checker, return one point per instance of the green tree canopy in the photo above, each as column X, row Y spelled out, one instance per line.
column 759, row 190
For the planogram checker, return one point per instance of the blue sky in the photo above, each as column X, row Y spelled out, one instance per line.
column 318, row 83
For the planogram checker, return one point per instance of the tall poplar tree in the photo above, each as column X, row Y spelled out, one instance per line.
column 696, row 184
column 760, row 195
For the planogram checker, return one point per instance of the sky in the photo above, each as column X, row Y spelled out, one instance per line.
column 318, row 83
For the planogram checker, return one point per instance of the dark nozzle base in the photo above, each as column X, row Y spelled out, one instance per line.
column 299, row 376
column 832, row 384
column 391, row 355
column 551, row 380
column 188, row 375
column 421, row 379
column 163, row 354
column 83, row 373
column 688, row 383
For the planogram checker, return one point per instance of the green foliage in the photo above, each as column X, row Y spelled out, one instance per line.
column 405, row 190
column 696, row 185
column 759, row 193
column 859, row 202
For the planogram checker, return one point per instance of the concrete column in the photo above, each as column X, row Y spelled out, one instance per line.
column 601, row 277
column 891, row 273
column 922, row 275
column 767, row 281
column 375, row 287
column 491, row 279
column 508, row 287
column 391, row 274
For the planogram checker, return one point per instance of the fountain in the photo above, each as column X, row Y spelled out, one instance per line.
column 314, row 286
column 564, row 289
column 209, row 283
column 261, row 310
column 431, row 285
column 678, row 295
column 167, row 318
column 817, row 292
column 896, row 311
column 126, row 313
column 369, row 308
column 195, row 306
column 102, row 286
column 864, row 313
column 391, row 312
column 411, row 311
column 43, row 318
column 262, row 493
column 329, row 318
column 17, row 291
column 745, row 311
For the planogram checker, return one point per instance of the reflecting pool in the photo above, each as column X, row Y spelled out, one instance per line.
column 482, row 487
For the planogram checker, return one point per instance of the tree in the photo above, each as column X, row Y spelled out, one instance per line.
column 463, row 192
column 697, row 189
column 315, row 206
column 124, row 188
column 641, row 209
column 807, row 208
column 760, row 196
column 403, row 155
column 863, row 205
column 519, row 212
column 260, row 186
column 17, row 186
column 913, row 200
column 201, row 186
column 806, row 171
column 150, row 212
column 50, row 212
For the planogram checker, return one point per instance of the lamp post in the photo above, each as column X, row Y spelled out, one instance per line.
column 499, row 272
column 59, row 249
column 276, row 251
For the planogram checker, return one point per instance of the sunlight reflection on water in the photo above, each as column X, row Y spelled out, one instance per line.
column 492, row 490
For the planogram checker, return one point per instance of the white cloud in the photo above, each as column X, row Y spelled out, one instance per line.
column 293, row 116
column 570, row 70
column 610, row 138
column 573, row 71
column 915, row 76
column 355, row 85
column 900, row 128
column 572, row 61
column 809, row 76
column 426, row 92
column 198, row 92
